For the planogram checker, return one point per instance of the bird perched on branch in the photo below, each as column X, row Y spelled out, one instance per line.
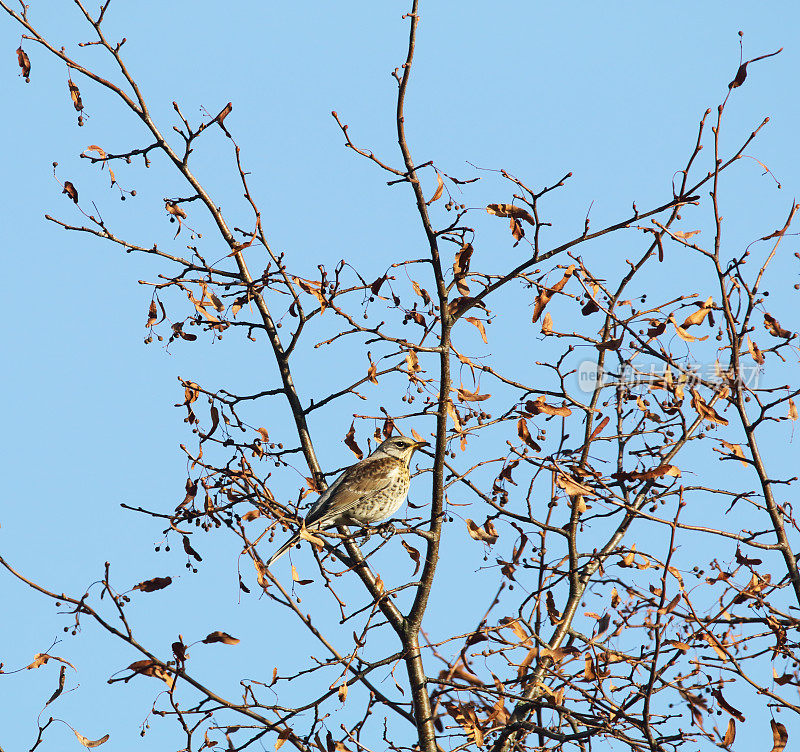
column 370, row 491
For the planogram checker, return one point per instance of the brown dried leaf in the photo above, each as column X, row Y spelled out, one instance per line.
column 734, row 449
column 754, row 587
column 716, row 645
column 342, row 693
column 226, row 110
column 547, row 324
column 780, row 736
column 683, row 334
column 282, row 737
column 589, row 673
column 376, row 285
column 656, row 472
column 772, row 325
column 738, row 79
column 453, row 413
column 517, row 628
column 351, row 444
column 600, row 426
column 742, row 559
column 99, row 149
column 682, row 646
column 422, row 292
column 543, row 298
column 557, row 654
column 439, row 189
column 466, row 396
column 516, row 229
column 414, row 554
column 70, row 190
column 706, row 411
column 792, row 410
column 699, row 316
column 175, row 210
column 152, row 314
column 730, row 733
column 187, row 546
column 149, row 586
column 466, row 716
column 578, row 503
column 24, row 64
column 151, row 668
column 571, row 487
column 609, row 344
column 312, row 288
column 486, row 534
column 590, row 308
column 214, row 412
column 525, row 435
column 668, row 608
column 741, row 74
column 371, row 373
column 418, row 318
column 781, row 680
column 538, row 406
column 523, row 667
column 179, row 649
column 457, row 306
column 88, row 742
column 462, row 260
column 460, row 672
column 685, row 235
column 261, row 574
column 75, row 93
column 244, row 299
column 552, row 611
column 41, row 658
column 412, row 361
column 62, row 677
column 754, row 351
column 629, row 558
column 222, row 637
column 479, row 324
column 505, row 473
column 509, row 210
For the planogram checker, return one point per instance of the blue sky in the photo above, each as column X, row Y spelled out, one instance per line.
column 612, row 92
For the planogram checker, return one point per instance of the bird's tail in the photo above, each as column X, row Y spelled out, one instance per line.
column 283, row 549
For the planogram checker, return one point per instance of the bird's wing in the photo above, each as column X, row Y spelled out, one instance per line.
column 321, row 502
column 356, row 484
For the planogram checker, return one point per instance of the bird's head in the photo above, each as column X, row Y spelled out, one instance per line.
column 400, row 447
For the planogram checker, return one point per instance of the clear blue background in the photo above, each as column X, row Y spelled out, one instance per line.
column 612, row 92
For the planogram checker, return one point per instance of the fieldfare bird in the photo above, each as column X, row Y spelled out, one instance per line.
column 370, row 491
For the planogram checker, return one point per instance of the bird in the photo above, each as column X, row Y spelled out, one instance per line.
column 370, row 491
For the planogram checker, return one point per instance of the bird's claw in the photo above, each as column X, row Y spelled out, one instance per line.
column 386, row 530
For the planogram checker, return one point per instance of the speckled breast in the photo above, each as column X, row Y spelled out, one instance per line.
column 384, row 504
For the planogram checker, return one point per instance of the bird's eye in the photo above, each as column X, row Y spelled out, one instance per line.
column 398, row 443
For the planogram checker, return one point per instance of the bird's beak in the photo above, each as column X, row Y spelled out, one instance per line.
column 421, row 444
